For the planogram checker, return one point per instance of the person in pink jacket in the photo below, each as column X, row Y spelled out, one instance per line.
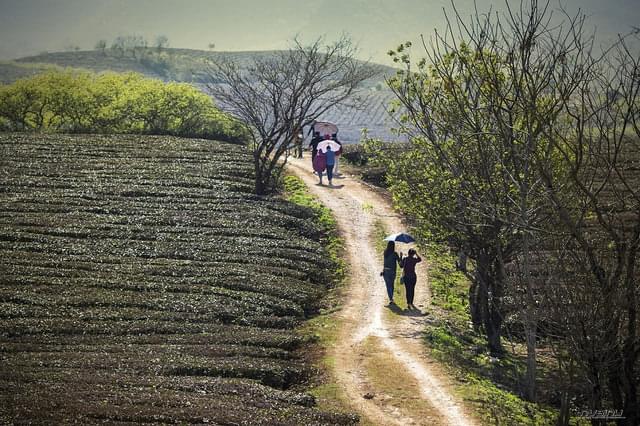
column 408, row 264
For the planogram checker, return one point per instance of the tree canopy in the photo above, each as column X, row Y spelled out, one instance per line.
column 82, row 102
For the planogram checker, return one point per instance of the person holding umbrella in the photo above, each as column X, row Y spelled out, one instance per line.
column 331, row 161
column 391, row 262
column 326, row 157
column 408, row 264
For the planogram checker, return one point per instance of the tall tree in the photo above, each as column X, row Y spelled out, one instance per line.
column 101, row 45
column 478, row 110
column 597, row 201
column 277, row 94
column 161, row 42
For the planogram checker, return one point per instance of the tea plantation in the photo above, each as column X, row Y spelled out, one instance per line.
column 142, row 281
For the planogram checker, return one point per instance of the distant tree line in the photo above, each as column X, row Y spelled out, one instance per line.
column 154, row 56
column 132, row 45
column 84, row 102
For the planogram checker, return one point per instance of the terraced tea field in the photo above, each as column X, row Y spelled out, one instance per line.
column 142, row 281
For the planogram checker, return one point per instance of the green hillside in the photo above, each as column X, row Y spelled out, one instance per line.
column 186, row 65
column 142, row 281
column 168, row 63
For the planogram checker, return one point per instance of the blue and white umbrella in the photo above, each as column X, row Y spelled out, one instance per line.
column 400, row 237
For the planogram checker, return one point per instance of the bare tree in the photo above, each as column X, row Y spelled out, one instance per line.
column 119, row 45
column 161, row 42
column 597, row 201
column 277, row 94
column 101, row 45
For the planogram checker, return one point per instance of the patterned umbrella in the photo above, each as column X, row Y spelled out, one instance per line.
column 322, row 146
column 325, row 128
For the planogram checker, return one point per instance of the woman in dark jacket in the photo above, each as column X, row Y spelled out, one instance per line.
column 391, row 261
column 409, row 276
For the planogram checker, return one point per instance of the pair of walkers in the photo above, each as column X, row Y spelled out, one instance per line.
column 408, row 263
column 324, row 161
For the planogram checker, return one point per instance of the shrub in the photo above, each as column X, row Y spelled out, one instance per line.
column 139, row 274
column 82, row 102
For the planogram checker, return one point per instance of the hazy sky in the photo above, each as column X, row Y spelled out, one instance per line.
column 28, row 27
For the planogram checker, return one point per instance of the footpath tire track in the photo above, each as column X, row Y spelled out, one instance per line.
column 356, row 209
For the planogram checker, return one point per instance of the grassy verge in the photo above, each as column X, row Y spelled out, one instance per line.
column 484, row 382
column 323, row 329
column 297, row 192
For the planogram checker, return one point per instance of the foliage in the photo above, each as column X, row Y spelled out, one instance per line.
column 82, row 102
column 143, row 277
column 478, row 114
column 455, row 175
column 523, row 157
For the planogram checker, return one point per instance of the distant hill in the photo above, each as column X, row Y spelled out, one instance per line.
column 188, row 65
column 11, row 71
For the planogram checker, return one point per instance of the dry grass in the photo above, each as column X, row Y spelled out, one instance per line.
column 396, row 388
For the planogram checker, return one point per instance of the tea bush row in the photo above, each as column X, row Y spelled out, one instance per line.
column 142, row 280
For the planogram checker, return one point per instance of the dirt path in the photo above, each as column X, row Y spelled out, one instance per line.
column 366, row 318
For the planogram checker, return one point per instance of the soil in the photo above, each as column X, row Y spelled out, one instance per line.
column 367, row 314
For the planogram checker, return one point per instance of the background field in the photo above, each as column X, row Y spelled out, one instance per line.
column 141, row 281
column 188, row 65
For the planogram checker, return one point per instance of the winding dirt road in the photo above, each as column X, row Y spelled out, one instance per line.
column 367, row 319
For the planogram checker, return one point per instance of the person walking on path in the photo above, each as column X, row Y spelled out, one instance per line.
column 320, row 164
column 330, row 162
column 408, row 264
column 315, row 140
column 391, row 262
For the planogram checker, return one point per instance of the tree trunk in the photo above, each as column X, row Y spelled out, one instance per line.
column 489, row 296
column 474, row 306
column 614, row 383
column 262, row 176
column 631, row 410
column 260, row 185
column 530, row 375
column 596, row 393
column 563, row 415
column 260, row 188
column 531, row 322
column 493, row 325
